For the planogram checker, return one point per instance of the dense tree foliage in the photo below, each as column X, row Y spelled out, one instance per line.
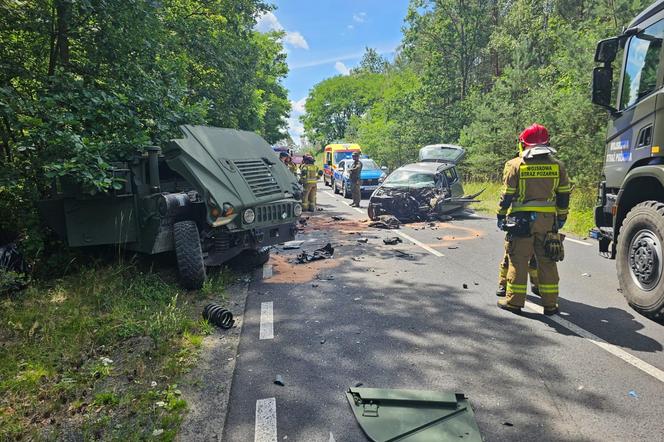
column 86, row 82
column 478, row 72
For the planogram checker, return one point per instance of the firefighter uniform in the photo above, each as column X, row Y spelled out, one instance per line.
column 309, row 178
column 292, row 167
column 536, row 187
column 504, row 267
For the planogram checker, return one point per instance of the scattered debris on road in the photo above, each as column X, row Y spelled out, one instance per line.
column 218, row 316
column 465, row 286
column 385, row 222
column 587, row 275
column 323, row 253
column 508, row 424
column 338, row 218
column 279, row 380
column 385, row 414
column 633, row 393
column 293, row 245
column 452, row 247
column 363, row 240
column 402, row 254
column 393, row 240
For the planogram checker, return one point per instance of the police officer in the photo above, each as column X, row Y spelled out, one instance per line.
column 536, row 195
column 309, row 177
column 355, row 172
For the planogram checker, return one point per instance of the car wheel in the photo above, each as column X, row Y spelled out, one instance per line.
column 640, row 259
column 372, row 211
column 345, row 191
column 189, row 254
column 336, row 189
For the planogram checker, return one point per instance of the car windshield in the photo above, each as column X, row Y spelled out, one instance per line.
column 340, row 156
column 368, row 164
column 410, row 178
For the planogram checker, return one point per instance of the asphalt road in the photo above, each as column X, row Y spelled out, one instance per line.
column 400, row 317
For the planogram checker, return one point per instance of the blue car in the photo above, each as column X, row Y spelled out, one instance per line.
column 372, row 176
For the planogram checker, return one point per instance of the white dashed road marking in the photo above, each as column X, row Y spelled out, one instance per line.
column 601, row 343
column 267, row 329
column 266, row 420
column 267, row 271
column 331, row 438
column 576, row 241
column 416, row 242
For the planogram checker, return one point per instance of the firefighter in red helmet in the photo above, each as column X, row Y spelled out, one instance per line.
column 533, row 207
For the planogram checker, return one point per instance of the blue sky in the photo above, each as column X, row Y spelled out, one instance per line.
column 327, row 37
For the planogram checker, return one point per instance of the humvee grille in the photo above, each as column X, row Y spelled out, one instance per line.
column 259, row 177
column 274, row 212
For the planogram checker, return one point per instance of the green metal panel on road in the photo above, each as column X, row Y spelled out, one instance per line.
column 413, row 415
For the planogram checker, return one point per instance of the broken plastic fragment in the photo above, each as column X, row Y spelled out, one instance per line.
column 279, row 380
column 392, row 240
column 633, row 393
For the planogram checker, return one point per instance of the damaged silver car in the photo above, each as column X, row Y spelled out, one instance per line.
column 428, row 190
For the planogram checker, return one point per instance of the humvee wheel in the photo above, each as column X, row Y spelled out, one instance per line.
column 189, row 254
column 640, row 259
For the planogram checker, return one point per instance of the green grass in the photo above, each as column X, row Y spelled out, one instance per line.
column 71, row 360
column 582, row 204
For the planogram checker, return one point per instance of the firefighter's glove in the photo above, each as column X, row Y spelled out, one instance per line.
column 553, row 246
column 500, row 221
column 561, row 223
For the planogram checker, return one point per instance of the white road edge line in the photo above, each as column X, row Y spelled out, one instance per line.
column 601, row 343
column 331, row 438
column 576, row 241
column 267, row 271
column 266, row 420
column 267, row 329
column 416, row 242
column 357, row 209
column 330, row 194
column 346, row 203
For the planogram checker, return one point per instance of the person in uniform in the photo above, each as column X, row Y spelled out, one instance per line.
column 355, row 173
column 536, row 195
column 502, row 275
column 309, row 174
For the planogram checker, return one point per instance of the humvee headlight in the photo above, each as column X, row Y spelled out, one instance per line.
column 249, row 216
column 297, row 209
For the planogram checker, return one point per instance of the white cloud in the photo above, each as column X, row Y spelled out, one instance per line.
column 350, row 27
column 295, row 126
column 341, row 68
column 384, row 50
column 360, row 17
column 296, row 40
column 269, row 22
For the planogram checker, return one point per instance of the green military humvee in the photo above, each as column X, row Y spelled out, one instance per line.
column 212, row 195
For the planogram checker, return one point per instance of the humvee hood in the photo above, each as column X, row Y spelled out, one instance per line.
column 231, row 166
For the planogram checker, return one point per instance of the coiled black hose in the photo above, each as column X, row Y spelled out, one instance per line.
column 218, row 316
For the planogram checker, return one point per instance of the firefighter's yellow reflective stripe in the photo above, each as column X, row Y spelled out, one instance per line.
column 549, row 286
column 556, row 181
column 520, row 289
column 562, row 211
column 502, row 211
column 527, row 171
column 564, row 189
column 535, row 206
column 522, row 190
column 548, row 291
column 509, row 190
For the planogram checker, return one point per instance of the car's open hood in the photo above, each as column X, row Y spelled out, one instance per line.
column 442, row 153
column 231, row 166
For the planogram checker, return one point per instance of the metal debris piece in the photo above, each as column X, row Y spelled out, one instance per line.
column 633, row 393
column 385, row 222
column 279, row 380
column 393, row 240
column 508, row 424
column 465, row 286
column 319, row 209
column 453, row 247
column 293, row 245
column 338, row 218
column 218, row 316
column 363, row 240
column 402, row 254
column 413, row 415
column 318, row 254
column 359, row 384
